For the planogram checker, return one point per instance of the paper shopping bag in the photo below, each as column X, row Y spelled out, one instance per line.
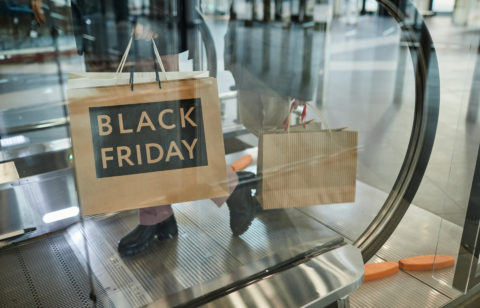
column 146, row 147
column 306, row 166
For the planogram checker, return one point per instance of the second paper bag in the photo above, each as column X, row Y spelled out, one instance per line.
column 306, row 166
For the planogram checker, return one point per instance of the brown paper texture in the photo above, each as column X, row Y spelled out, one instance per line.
column 8, row 172
column 117, row 193
column 307, row 167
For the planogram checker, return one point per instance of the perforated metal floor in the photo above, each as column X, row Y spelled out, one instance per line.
column 45, row 273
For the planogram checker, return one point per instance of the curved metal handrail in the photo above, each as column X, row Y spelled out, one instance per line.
column 427, row 102
column 209, row 45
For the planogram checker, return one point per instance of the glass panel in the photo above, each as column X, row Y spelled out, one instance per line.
column 262, row 67
column 178, row 184
column 448, row 185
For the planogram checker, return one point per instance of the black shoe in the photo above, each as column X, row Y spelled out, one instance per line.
column 242, row 205
column 142, row 236
column 167, row 228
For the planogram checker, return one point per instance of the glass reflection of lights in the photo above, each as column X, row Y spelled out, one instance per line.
column 61, row 214
column 14, row 140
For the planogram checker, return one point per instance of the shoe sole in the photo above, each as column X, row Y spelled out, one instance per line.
column 242, row 231
column 141, row 249
column 133, row 252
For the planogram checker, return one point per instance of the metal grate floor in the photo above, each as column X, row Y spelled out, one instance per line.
column 45, row 273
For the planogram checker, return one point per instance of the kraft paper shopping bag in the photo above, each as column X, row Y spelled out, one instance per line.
column 155, row 145
column 306, row 166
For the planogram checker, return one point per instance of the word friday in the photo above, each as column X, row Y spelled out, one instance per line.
column 148, row 137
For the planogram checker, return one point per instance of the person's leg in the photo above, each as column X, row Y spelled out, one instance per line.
column 155, row 222
column 232, row 184
column 241, row 204
column 275, row 109
column 170, row 63
column 258, row 112
column 250, row 111
column 159, row 221
column 153, row 215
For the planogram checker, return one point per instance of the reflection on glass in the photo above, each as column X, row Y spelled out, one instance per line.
column 296, row 87
column 61, row 214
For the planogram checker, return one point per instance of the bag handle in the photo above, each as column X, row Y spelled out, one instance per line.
column 125, row 56
column 286, row 122
column 159, row 59
column 156, row 56
column 320, row 114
